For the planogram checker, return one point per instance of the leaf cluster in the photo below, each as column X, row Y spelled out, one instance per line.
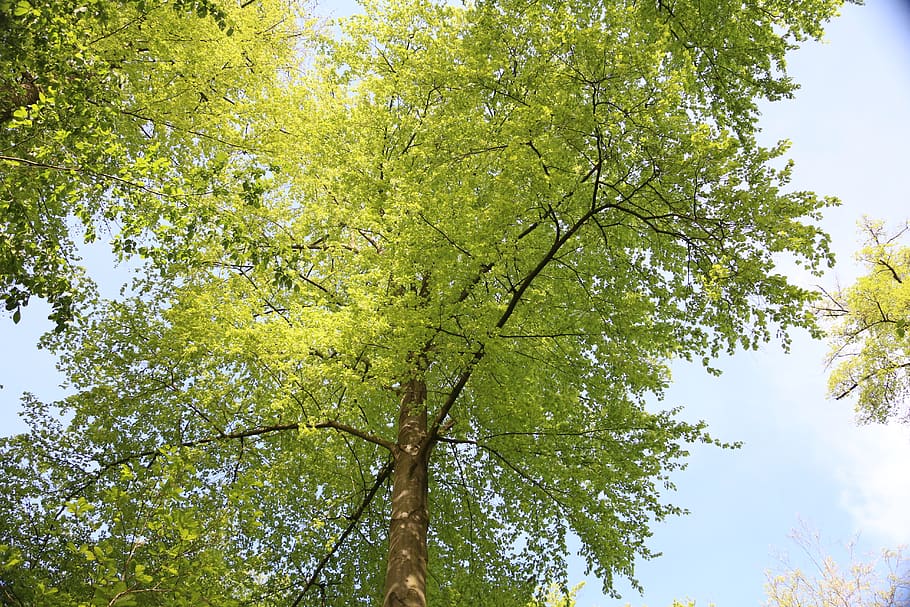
column 110, row 111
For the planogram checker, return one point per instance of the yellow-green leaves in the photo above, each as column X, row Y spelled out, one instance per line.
column 110, row 112
column 21, row 9
column 870, row 350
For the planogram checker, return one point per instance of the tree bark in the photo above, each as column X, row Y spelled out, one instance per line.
column 406, row 570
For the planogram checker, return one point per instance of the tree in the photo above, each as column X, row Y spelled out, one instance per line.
column 113, row 116
column 880, row 582
column 558, row 598
column 870, row 349
column 415, row 350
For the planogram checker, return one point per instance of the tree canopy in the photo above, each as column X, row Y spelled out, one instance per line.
column 112, row 117
column 406, row 340
column 870, row 348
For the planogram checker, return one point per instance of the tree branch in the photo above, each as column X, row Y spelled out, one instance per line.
column 355, row 519
column 174, row 126
column 856, row 384
column 444, row 235
column 893, row 271
column 356, row 432
column 435, row 429
column 42, row 165
column 549, row 432
column 517, row 296
column 499, row 456
column 223, row 436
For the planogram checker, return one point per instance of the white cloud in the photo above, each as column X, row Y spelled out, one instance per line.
column 869, row 464
column 873, row 467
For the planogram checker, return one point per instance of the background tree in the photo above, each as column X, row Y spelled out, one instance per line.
column 415, row 349
column 114, row 115
column 878, row 582
column 870, row 348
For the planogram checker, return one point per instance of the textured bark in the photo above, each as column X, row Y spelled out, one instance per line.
column 406, row 571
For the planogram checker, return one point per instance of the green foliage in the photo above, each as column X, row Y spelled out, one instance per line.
column 530, row 208
column 111, row 110
column 558, row 598
column 870, row 350
column 140, row 542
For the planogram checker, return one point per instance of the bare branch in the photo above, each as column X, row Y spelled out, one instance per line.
column 893, row 271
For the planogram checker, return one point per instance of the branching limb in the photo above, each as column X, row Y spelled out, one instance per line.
column 356, row 432
column 500, row 457
column 257, row 431
column 176, row 127
column 153, row 453
column 354, row 519
column 856, row 384
column 891, row 268
column 576, row 433
column 436, row 428
column 837, row 307
column 444, row 235
column 518, row 295
column 68, row 169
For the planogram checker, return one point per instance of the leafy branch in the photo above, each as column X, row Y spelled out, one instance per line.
column 258, row 431
column 72, row 169
column 354, row 519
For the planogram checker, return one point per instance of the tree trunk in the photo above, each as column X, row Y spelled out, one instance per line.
column 406, row 570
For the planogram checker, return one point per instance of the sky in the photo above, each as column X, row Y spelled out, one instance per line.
column 804, row 460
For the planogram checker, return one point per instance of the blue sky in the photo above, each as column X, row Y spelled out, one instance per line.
column 804, row 459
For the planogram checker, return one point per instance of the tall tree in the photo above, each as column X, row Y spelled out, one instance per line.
column 414, row 351
column 870, row 348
